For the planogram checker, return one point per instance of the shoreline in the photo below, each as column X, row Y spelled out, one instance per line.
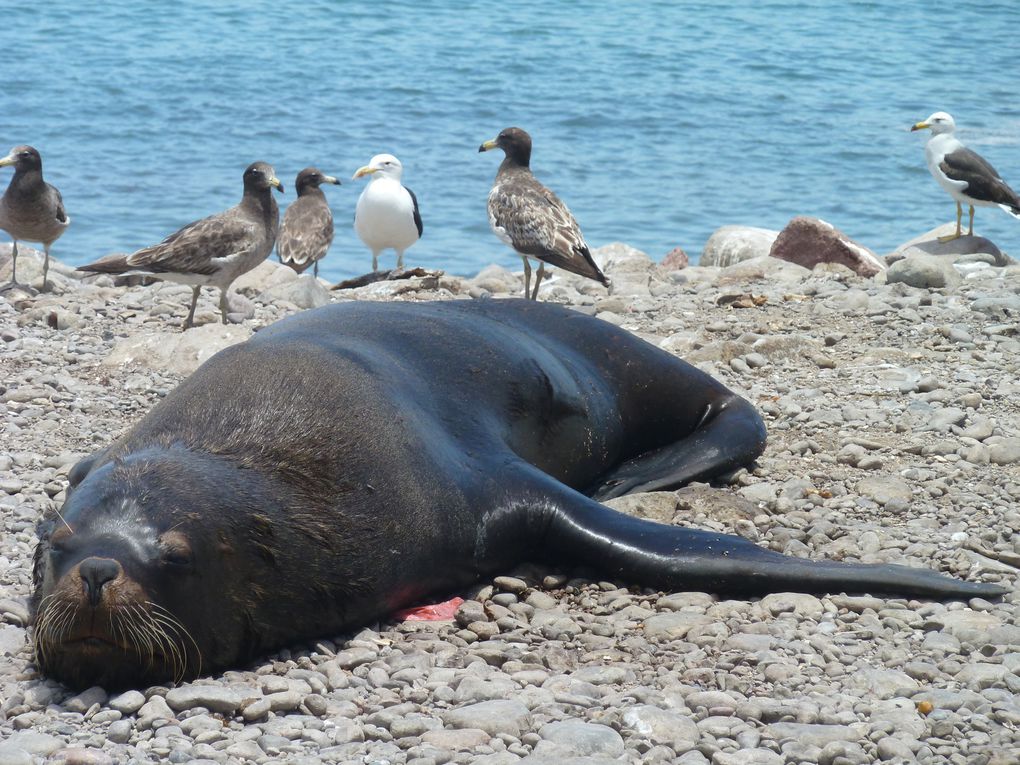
column 894, row 436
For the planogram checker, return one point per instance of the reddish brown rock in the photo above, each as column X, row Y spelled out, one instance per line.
column 675, row 260
column 810, row 241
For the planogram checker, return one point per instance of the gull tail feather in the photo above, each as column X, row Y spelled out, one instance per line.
column 1013, row 210
column 111, row 264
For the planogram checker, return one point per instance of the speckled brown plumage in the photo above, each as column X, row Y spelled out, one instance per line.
column 307, row 229
column 31, row 210
column 530, row 218
column 213, row 251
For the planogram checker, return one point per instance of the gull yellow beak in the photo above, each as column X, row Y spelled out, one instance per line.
column 331, row 179
column 274, row 181
column 8, row 160
column 366, row 170
column 920, row 126
column 488, row 145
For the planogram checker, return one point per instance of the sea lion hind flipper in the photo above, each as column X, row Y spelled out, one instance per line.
column 674, row 558
column 729, row 434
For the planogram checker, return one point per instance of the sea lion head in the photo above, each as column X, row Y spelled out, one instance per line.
column 136, row 580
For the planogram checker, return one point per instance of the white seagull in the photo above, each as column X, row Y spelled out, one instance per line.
column 387, row 214
column 965, row 174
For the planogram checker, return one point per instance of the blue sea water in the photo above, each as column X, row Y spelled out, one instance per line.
column 657, row 122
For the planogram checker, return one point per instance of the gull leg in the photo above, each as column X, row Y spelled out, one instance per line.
column 188, row 322
column 375, row 260
column 315, row 270
column 223, row 304
column 400, row 258
column 958, row 234
column 971, row 231
column 538, row 279
column 527, row 278
column 14, row 267
column 46, row 263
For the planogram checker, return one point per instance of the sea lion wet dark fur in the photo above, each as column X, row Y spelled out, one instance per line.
column 357, row 458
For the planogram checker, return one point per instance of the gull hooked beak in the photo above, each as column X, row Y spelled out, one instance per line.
column 488, row 145
column 8, row 160
column 331, row 179
column 366, row 170
column 274, row 181
column 920, row 126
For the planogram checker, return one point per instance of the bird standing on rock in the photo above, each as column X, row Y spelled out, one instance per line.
column 30, row 210
column 965, row 174
column 307, row 229
column 387, row 214
column 213, row 251
column 530, row 218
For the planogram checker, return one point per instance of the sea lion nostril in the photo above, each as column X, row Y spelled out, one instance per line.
column 96, row 572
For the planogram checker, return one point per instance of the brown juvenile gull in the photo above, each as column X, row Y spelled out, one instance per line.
column 307, row 229
column 965, row 174
column 530, row 218
column 31, row 210
column 215, row 250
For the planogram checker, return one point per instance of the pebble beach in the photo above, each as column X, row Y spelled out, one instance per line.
column 894, row 437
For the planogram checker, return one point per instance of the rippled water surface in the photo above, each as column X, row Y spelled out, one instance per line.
column 656, row 122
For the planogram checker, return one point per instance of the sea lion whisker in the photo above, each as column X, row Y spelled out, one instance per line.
column 134, row 637
column 62, row 519
column 63, row 616
column 50, row 628
column 41, row 630
column 127, row 627
column 157, row 635
column 154, row 635
column 174, row 625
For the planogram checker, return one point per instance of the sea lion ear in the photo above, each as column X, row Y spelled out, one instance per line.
column 82, row 468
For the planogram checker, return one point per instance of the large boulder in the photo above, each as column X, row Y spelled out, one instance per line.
column 496, row 280
column 675, row 260
column 811, row 241
column 304, row 292
column 967, row 248
column 267, row 274
column 924, row 271
column 761, row 269
column 629, row 270
column 30, row 268
column 176, row 351
column 732, row 244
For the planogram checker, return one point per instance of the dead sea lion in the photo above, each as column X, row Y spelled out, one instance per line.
column 357, row 458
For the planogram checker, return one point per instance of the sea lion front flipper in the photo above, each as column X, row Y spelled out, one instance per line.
column 730, row 434
column 566, row 524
